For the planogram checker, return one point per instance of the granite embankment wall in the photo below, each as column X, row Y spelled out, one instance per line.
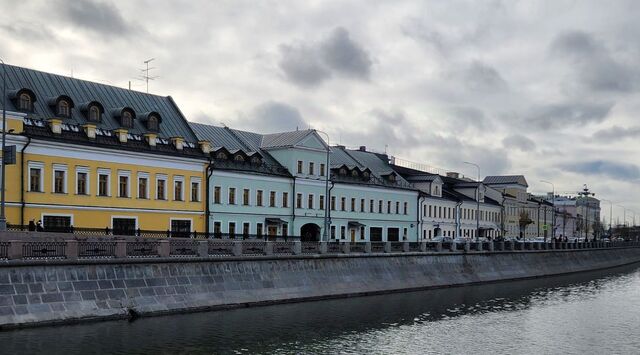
column 40, row 293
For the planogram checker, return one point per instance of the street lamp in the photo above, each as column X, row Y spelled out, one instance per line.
column 610, row 216
column 327, row 169
column 553, row 209
column 3, row 218
column 624, row 215
column 477, row 202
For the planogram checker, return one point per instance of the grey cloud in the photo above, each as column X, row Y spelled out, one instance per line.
column 96, row 16
column 520, row 142
column 615, row 170
column 310, row 64
column 301, row 66
column 575, row 43
column 344, row 55
column 464, row 117
column 616, row 133
column 272, row 116
column 479, row 76
column 31, row 32
column 567, row 114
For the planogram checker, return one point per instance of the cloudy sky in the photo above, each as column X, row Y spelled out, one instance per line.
column 548, row 89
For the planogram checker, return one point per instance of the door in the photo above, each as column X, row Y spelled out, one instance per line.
column 61, row 224
column 124, row 226
column 272, row 231
column 353, row 235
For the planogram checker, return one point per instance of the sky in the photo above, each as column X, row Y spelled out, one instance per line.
column 547, row 89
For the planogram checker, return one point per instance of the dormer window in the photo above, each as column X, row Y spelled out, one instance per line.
column 239, row 158
column 256, row 160
column 126, row 120
column 343, row 171
column 25, row 103
column 64, row 109
column 354, row 173
column 391, row 178
column 94, row 113
column 221, row 156
column 152, row 123
column 366, row 175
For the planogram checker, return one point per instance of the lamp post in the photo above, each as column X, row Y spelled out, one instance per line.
column 610, row 216
column 477, row 202
column 624, row 215
column 553, row 209
column 3, row 218
column 325, row 233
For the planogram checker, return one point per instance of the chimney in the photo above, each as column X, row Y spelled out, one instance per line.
column 363, row 148
column 453, row 174
column 205, row 146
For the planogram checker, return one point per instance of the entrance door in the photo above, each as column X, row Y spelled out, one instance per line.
column 272, row 231
column 353, row 235
column 180, row 228
column 61, row 224
column 124, row 226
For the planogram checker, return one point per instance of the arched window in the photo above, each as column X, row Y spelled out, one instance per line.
column 94, row 113
column 127, row 119
column 343, row 171
column 392, row 178
column 152, row 123
column 354, row 173
column 365, row 175
column 255, row 160
column 63, row 108
column 25, row 103
column 221, row 155
column 239, row 158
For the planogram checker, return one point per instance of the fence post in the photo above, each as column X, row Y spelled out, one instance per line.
column 479, row 246
column 491, row 246
column 268, row 248
column 71, row 250
column 323, row 248
column 367, row 247
column 237, row 248
column 15, row 249
column 203, row 248
column 346, row 247
column 164, row 249
column 452, row 246
column 423, row 246
column 438, row 247
column 467, row 246
column 121, row 249
column 405, row 247
column 387, row 247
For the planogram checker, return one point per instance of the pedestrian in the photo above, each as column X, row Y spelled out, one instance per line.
column 39, row 227
column 32, row 226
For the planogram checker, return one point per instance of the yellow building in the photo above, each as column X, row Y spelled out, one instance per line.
column 91, row 155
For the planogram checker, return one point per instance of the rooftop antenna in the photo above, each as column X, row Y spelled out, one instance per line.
column 145, row 76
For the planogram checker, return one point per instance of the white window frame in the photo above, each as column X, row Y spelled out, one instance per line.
column 171, row 219
column 300, row 164
column 164, row 178
column 242, row 228
column 259, row 191
column 125, row 173
column 313, row 201
column 178, row 178
column 143, row 175
column 39, row 166
column 86, row 170
column 125, row 217
column 235, row 196
column 55, row 215
column 103, row 171
column 65, row 170
column 195, row 180
column 275, row 198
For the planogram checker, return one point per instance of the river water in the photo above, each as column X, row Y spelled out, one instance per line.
column 589, row 313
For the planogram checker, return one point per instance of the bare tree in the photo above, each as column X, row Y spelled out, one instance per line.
column 524, row 221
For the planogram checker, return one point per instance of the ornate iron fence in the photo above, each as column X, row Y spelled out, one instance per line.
column 182, row 248
column 357, row 248
column 334, row 248
column 44, row 250
column 96, row 249
column 254, row 248
column 310, row 248
column 143, row 249
column 377, row 247
column 4, row 250
column 414, row 246
column 397, row 247
column 283, row 248
column 220, row 248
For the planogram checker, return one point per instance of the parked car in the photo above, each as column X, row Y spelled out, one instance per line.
column 536, row 240
column 441, row 239
column 460, row 240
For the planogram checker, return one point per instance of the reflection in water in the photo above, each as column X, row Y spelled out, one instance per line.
column 582, row 313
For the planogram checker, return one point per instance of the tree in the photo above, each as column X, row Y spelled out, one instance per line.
column 524, row 221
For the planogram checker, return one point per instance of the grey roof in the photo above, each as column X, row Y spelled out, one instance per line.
column 378, row 164
column 506, row 179
column 46, row 86
column 284, row 139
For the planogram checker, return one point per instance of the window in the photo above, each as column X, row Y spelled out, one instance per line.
column 239, row 158
column 245, row 197
column 353, row 204
column 161, row 187
column 82, row 178
column 343, row 203
column 94, row 113
column 127, row 119
column 123, row 186
column 299, row 166
column 333, row 203
column 343, row 232
column 272, row 199
column 232, row 229
column 285, row 199
column 143, row 186
column 406, row 208
column 25, row 103
column 333, row 232
column 362, row 233
column 311, row 166
column 63, row 108
column 178, row 190
column 362, row 205
column 153, row 123
column 232, row 195
column 216, row 194
column 259, row 198
column 343, row 172
column 35, row 177
column 256, row 160
column 379, row 206
column 310, row 201
column 221, row 156
column 217, row 229
column 321, row 202
column 181, row 228
column 388, row 207
column 299, row 201
column 103, row 182
column 285, row 230
column 56, row 223
column 195, row 191
column 371, row 206
column 354, row 173
column 246, row 226
column 397, row 207
column 322, row 169
column 259, row 230
column 59, row 179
